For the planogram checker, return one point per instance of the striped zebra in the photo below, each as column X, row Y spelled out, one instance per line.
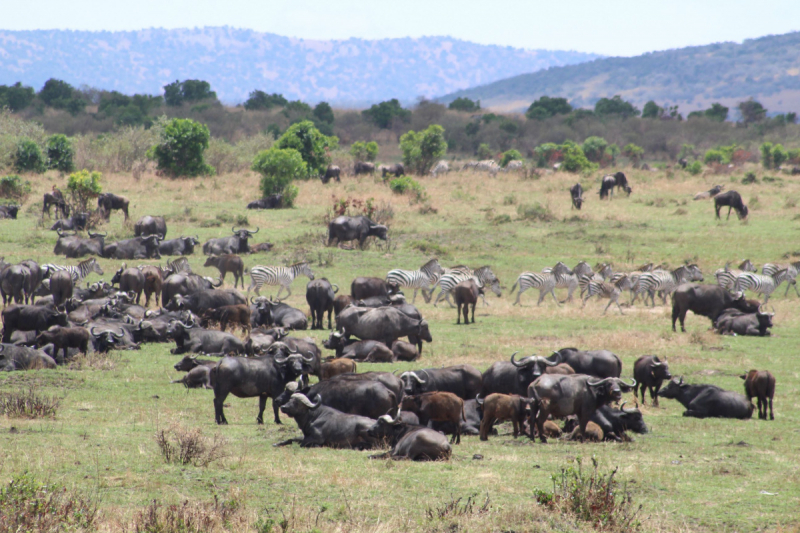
column 770, row 269
column 605, row 289
column 565, row 278
column 666, row 281
column 83, row 269
column 762, row 284
column 726, row 277
column 423, row 278
column 483, row 277
column 277, row 275
column 544, row 281
column 604, row 271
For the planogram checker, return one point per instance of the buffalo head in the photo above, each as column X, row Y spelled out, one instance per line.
column 659, row 370
column 379, row 230
column 609, row 389
column 335, row 340
column 413, row 382
column 299, row 404
column 385, row 426
column 531, row 367
column 632, row 419
column 673, row 388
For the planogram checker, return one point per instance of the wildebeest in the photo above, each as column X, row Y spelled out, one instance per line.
column 416, row 443
column 192, row 339
column 465, row 294
column 76, row 222
column 760, row 384
column 334, row 367
column 395, row 170
column 498, row 407
column 462, row 380
column 344, row 228
column 34, row 279
column 733, row 200
column 707, row 401
column 611, row 181
column 30, row 318
column 320, row 295
column 325, row 426
column 61, row 287
column 227, row 263
column 576, row 193
column 77, row 247
column 64, row 338
column 362, row 288
column 579, row 395
column 107, row 202
column 711, row 193
column 273, row 201
column 734, row 322
column 706, row 300
column 181, row 246
column 650, row 372
column 598, row 363
column 145, row 247
column 235, row 315
column 385, row 324
column 235, row 244
column 513, row 377
column 263, row 377
column 331, row 173
column 23, row 358
column 363, row 167
column 55, row 199
column 437, row 406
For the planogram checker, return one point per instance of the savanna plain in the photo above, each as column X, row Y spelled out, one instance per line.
column 687, row 474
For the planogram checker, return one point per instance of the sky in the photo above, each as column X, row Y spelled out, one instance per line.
column 610, row 27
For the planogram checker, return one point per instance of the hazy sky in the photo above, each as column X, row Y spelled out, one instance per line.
column 610, row 27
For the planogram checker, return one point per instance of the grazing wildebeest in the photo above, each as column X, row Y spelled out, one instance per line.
column 707, row 401
column 332, row 172
column 466, row 293
column 273, row 201
column 76, row 222
column 320, row 295
column 149, row 225
column 611, row 181
column 760, row 384
column 396, row 170
column 362, row 167
column 55, row 199
column 576, row 193
column 733, row 200
column 503, row 407
column 650, row 372
column 227, row 263
column 64, row 338
column 706, row 300
column 735, row 322
column 345, row 228
column 236, row 244
column 106, row 202
column 61, row 287
column 437, row 406
column 408, row 441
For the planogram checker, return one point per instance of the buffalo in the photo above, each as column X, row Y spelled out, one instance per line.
column 76, row 222
column 598, row 363
column 760, row 384
column 362, row 288
column 413, row 442
column 706, row 300
column 23, row 358
column 227, row 263
column 149, row 225
column 735, row 322
column 192, row 339
column 106, row 202
column 385, row 324
column 331, row 173
column 325, row 426
column 437, row 406
column 465, row 294
column 650, row 372
column 503, row 407
column 345, row 228
column 30, row 318
column 462, row 380
column 145, row 247
column 205, row 300
column 273, row 201
column 615, row 422
column 320, row 295
column 395, row 170
column 514, row 377
column 77, row 247
column 181, row 246
column 707, row 401
column 236, row 244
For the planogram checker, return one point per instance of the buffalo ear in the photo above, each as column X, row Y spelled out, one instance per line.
column 743, row 376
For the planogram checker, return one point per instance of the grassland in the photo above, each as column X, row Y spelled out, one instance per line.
column 688, row 474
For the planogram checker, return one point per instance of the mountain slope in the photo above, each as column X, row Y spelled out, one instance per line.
column 767, row 69
column 236, row 61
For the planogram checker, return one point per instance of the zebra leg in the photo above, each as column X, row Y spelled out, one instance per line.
column 447, row 299
column 585, row 300
column 553, row 292
column 426, row 296
column 542, row 294
column 516, row 302
column 438, row 297
column 414, row 298
column 483, row 297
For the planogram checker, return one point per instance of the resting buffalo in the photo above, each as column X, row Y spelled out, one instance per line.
column 30, row 318
column 75, row 248
column 181, row 246
column 236, row 244
column 192, row 339
column 9, row 211
column 735, row 322
column 76, row 222
column 416, row 443
column 280, row 314
column 708, row 401
column 513, row 377
column 145, row 247
column 273, row 201
column 598, row 363
column 205, row 300
column 361, row 397
column 462, row 380
column 325, row 426
column 185, row 284
column 149, row 225
column 615, row 422
column 344, row 229
column 706, row 300
column 362, row 288
column 23, row 358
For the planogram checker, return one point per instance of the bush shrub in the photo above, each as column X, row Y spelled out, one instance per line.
column 694, row 168
column 547, row 154
column 279, row 168
column 779, row 155
column 83, row 186
column 181, row 148
column 633, row 152
column 535, row 212
column 364, row 151
column 422, row 150
column 31, row 506
column 594, row 147
column 60, row 153
column 28, row 403
column 712, row 156
column 311, row 144
column 29, row 158
column 183, row 446
column 484, row 152
column 574, row 160
column 406, row 184
column 509, row 156
column 14, row 188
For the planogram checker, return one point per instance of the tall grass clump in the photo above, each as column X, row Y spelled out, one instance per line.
column 194, row 517
column 28, row 403
column 30, row 506
column 184, row 446
column 535, row 212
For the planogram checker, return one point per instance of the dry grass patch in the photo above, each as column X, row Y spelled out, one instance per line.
column 28, row 403
column 183, row 446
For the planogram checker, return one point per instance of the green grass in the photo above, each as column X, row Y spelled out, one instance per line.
column 688, row 474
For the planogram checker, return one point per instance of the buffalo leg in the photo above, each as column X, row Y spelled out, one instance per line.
column 473, row 313
column 762, row 408
column 262, row 404
column 540, row 420
column 486, row 427
column 275, row 408
column 458, row 314
column 771, row 414
column 219, row 399
column 654, row 395
column 729, row 212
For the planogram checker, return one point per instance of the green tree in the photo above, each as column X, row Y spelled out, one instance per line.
column 83, row 186
column 464, row 104
column 484, row 152
column 279, row 167
column 421, row 150
column 717, row 112
column 372, row 151
column 323, row 117
column 362, row 151
column 713, row 156
column 14, row 188
column 766, row 155
column 179, row 92
column 546, row 154
column 574, row 159
column 312, row 144
column 695, row 168
column 509, row 156
column 633, row 152
column 687, row 150
column 384, row 113
column 546, row 107
column 16, row 97
column 28, row 157
column 181, row 148
column 260, row 100
column 60, row 153
column 652, row 110
column 594, row 148
column 613, row 152
column 752, row 111
column 56, row 93
column 615, row 106
column 779, row 155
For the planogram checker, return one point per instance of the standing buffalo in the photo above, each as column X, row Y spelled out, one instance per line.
column 236, row 244
column 362, row 288
column 706, row 300
column 732, row 200
column 514, row 377
column 760, row 384
column 362, row 167
column 331, row 173
column 465, row 294
column 395, row 170
column 345, row 228
column 320, row 295
column 14, row 279
column 61, row 287
column 707, row 401
column 29, row 318
column 649, row 373
column 227, row 263
column 106, row 202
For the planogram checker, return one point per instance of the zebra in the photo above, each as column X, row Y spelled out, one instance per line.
column 83, row 269
column 544, row 281
column 565, row 278
column 608, row 290
column 604, row 271
column 726, row 277
column 769, row 269
column 762, row 284
column 417, row 279
column 483, row 277
column 666, row 281
column 277, row 275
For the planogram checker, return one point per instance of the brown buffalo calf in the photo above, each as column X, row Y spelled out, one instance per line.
column 562, row 368
column 340, row 302
column 438, row 407
column 200, row 377
column 227, row 263
column 465, row 294
column 152, row 286
column 229, row 314
column 552, row 430
column 499, row 407
column 64, row 338
column 593, row 432
column 404, row 351
column 760, row 384
column 334, row 367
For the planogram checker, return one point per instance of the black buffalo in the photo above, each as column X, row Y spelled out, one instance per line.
column 192, row 339
column 734, row 322
column 326, row 426
column 464, row 381
column 708, row 401
column 181, row 246
column 137, row 248
column 331, row 173
column 148, row 225
column 280, row 314
column 30, row 318
column 273, row 201
column 513, row 377
column 598, row 363
column 706, row 300
column 235, row 244
column 615, row 422
column 650, row 372
column 733, row 200
column 23, row 358
column 10, row 211
column 94, row 245
column 395, row 170
column 362, row 288
column 76, row 222
column 363, row 397
column 205, row 300
column 185, row 284
column 345, row 228
column 409, row 441
column 320, row 295
column 385, row 324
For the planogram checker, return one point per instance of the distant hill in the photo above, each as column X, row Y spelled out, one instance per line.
column 767, row 69
column 236, row 61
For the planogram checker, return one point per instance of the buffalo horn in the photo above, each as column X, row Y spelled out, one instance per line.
column 254, row 232
column 478, row 399
column 514, row 361
column 552, row 363
column 596, row 383
column 92, row 331
column 302, row 398
column 421, row 381
column 633, row 382
column 336, row 288
column 773, row 311
column 115, row 335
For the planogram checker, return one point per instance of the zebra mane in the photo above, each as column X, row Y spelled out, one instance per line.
column 430, row 263
column 87, row 261
column 299, row 263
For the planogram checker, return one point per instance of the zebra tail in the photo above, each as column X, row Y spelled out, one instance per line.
column 513, row 287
